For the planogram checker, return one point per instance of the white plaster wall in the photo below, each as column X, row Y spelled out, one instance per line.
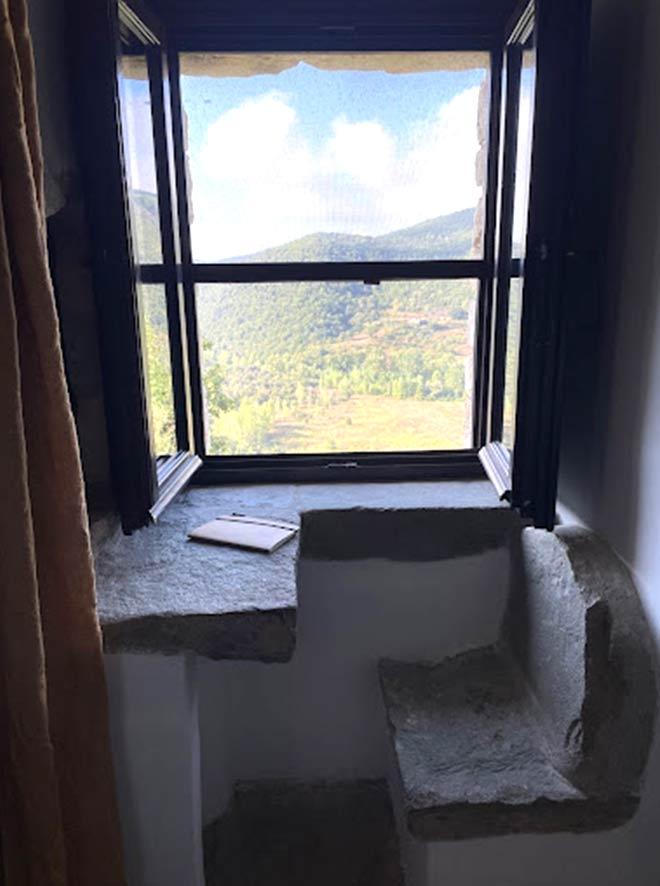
column 610, row 465
column 155, row 744
column 628, row 506
column 321, row 716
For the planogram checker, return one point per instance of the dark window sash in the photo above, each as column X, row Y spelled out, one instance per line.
column 367, row 272
column 342, row 467
column 483, row 343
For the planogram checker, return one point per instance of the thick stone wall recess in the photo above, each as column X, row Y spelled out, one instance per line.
column 550, row 729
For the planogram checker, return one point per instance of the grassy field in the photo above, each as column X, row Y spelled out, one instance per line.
column 370, row 423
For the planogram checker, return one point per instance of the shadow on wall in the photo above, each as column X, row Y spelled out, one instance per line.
column 613, row 327
column 321, row 715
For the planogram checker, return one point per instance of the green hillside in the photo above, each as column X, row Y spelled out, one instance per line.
column 446, row 237
column 326, row 366
column 145, row 227
column 319, row 367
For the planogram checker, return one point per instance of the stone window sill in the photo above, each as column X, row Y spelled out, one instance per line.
column 160, row 593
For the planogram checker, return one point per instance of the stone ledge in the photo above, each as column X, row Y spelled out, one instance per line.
column 284, row 833
column 472, row 759
column 261, row 636
column 548, row 731
column 158, row 592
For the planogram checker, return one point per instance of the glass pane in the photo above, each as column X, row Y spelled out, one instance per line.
column 337, row 367
column 524, row 152
column 336, row 157
column 158, row 366
column 511, row 363
column 520, row 219
column 139, row 158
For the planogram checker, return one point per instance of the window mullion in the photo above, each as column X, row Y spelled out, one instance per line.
column 155, row 67
column 186, row 274
column 505, row 237
column 483, row 339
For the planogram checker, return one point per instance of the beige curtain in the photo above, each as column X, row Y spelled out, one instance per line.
column 58, row 816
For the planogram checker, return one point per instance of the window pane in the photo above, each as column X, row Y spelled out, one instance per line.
column 158, row 366
column 511, row 364
column 524, row 151
column 337, row 367
column 336, row 157
column 520, row 214
column 139, row 158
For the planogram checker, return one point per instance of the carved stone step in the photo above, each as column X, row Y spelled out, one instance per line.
column 548, row 731
column 282, row 833
column 472, row 757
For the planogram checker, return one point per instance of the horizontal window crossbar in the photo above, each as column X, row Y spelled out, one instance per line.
column 341, row 467
column 369, row 272
column 223, row 35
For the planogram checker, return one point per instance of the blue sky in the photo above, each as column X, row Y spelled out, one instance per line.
column 396, row 100
column 276, row 156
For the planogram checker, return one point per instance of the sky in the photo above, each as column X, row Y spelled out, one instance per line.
column 274, row 157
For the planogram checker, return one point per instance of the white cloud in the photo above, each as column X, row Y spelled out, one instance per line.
column 523, row 163
column 365, row 151
column 261, row 183
column 255, row 141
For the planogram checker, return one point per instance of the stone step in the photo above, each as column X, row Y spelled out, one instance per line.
column 550, row 729
column 282, row 833
column 473, row 758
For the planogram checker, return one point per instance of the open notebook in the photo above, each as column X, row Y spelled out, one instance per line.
column 245, row 532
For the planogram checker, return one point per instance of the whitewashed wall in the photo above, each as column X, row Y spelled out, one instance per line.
column 321, row 715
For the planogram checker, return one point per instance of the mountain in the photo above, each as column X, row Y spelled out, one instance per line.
column 145, row 227
column 445, row 237
column 264, row 320
column 276, row 355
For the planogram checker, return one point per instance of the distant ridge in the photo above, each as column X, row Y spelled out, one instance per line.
column 444, row 237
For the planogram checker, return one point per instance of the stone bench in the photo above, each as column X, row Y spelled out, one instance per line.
column 549, row 730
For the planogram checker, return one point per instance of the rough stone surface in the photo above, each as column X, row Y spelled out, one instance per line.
column 414, row 534
column 558, row 629
column 551, row 730
column 267, row 636
column 285, row 834
column 618, row 712
column 160, row 592
column 472, row 756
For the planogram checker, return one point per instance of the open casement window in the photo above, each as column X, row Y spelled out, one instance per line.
column 340, row 256
column 542, row 88
column 330, row 253
column 129, row 167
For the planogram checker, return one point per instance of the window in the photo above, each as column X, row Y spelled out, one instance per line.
column 314, row 157
column 127, row 143
column 337, row 367
column 336, row 261
column 346, row 168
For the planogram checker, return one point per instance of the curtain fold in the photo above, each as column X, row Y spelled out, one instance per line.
column 58, row 813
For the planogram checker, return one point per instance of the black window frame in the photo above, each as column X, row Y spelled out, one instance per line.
column 496, row 457
column 346, row 466
column 528, row 476
column 144, row 480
